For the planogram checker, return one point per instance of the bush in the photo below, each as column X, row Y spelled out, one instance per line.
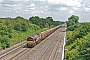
column 5, row 40
column 3, row 45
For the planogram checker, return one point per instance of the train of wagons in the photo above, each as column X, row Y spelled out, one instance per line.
column 35, row 39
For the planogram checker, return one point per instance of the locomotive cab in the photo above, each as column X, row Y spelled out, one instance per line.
column 30, row 42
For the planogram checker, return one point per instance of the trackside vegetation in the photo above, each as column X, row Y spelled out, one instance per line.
column 15, row 30
column 78, row 39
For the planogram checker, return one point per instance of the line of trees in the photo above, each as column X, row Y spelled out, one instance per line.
column 44, row 22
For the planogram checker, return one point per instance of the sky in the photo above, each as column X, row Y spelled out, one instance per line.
column 59, row 10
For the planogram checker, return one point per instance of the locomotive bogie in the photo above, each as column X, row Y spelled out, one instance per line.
column 31, row 45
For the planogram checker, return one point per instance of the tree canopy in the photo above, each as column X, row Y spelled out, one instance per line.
column 72, row 22
column 44, row 22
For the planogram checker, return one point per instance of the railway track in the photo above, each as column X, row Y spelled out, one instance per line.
column 49, row 49
column 13, row 51
column 19, row 54
column 45, row 49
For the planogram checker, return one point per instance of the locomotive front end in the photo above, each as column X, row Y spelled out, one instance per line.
column 30, row 42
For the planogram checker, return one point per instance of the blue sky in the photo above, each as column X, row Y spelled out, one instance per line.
column 57, row 9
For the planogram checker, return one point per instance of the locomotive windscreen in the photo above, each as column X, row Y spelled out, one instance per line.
column 30, row 39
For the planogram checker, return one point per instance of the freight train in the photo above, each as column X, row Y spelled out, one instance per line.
column 35, row 39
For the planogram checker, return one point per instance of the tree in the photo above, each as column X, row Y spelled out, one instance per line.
column 21, row 27
column 50, row 18
column 35, row 20
column 72, row 20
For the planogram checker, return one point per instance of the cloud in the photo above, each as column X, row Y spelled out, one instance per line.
column 58, row 9
column 76, row 8
column 63, row 8
column 71, row 12
column 87, row 9
column 19, row 0
column 32, row 5
column 0, row 0
column 35, row 12
column 76, row 3
column 40, row 0
column 31, row 8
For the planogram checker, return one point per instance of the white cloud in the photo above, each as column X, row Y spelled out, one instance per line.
column 44, row 8
column 31, row 8
column 32, row 5
column 25, row 10
column 40, row 12
column 0, row 4
column 14, row 5
column 17, row 6
column 7, row 10
column 76, row 3
column 87, row 9
column 76, row 8
column 20, row 0
column 1, row 0
column 40, row 0
column 54, row 1
column 35, row 12
column 63, row 8
column 71, row 12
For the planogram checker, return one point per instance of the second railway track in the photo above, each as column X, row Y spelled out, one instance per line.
column 13, row 51
column 19, row 54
